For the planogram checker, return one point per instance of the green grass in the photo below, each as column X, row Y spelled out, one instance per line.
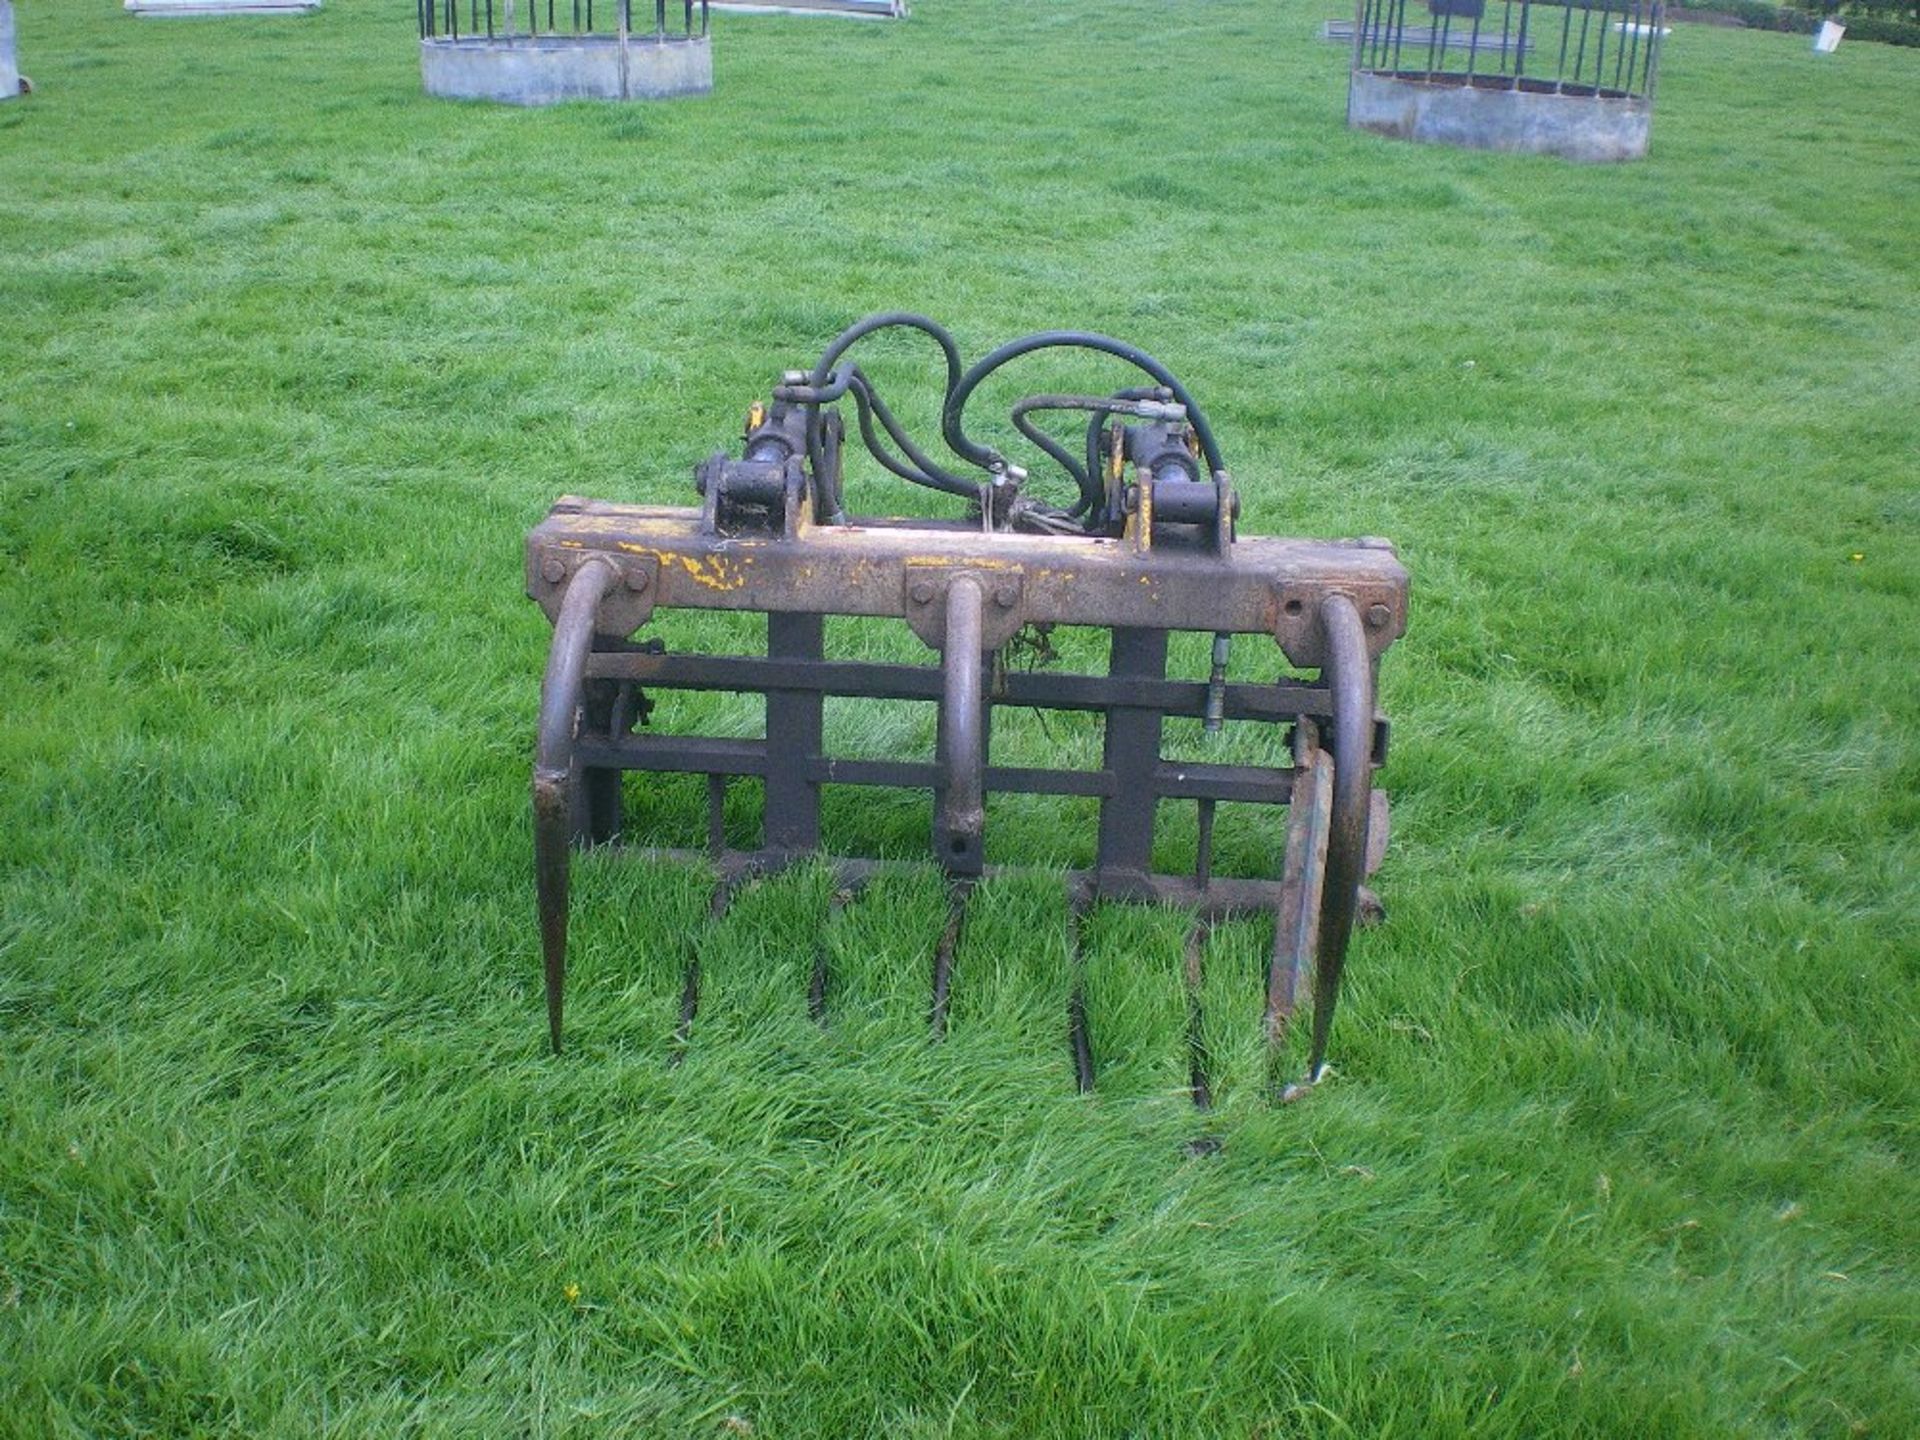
column 1621, row 1135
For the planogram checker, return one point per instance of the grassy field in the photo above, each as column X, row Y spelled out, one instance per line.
column 1620, row 1139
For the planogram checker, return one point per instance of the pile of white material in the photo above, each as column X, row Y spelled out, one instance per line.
column 222, row 7
column 852, row 9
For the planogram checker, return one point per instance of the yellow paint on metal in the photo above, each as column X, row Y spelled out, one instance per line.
column 711, row 572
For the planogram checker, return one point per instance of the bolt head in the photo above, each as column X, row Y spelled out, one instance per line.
column 922, row 592
column 553, row 569
column 1378, row 617
column 1004, row 597
column 636, row 580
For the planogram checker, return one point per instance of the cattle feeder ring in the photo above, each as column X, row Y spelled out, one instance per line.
column 540, row 52
column 1130, row 533
column 1572, row 78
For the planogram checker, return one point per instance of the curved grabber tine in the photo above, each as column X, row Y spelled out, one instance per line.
column 1348, row 675
column 554, row 778
column 1296, row 923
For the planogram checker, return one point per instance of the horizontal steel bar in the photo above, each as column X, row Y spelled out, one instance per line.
column 1251, row 784
column 875, row 680
column 924, row 775
column 709, row 755
column 1257, row 586
column 674, row 754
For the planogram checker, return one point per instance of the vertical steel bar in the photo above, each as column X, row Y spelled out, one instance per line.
column 1131, row 754
column 1600, row 49
column 1620, row 48
column 1655, row 46
column 600, row 815
column 794, row 730
column 716, row 815
column 960, row 820
column 1633, row 49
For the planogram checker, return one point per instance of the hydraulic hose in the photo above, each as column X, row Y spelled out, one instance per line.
column 936, row 476
column 988, row 458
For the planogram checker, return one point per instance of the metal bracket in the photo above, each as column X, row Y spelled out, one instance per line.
column 1298, row 627
column 626, row 606
column 924, row 591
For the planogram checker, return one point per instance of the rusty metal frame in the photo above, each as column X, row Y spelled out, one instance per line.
column 601, row 571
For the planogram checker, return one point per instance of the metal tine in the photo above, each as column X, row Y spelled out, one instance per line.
column 1078, row 1040
column 958, row 893
column 1203, row 849
column 690, row 988
column 1296, row 923
column 1198, row 1061
column 846, row 890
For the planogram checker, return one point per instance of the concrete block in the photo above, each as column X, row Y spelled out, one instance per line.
column 525, row 70
column 1444, row 111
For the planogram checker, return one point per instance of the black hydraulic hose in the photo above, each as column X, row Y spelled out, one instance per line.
column 850, row 379
column 863, row 398
column 935, row 477
column 1089, row 477
column 841, row 343
column 1082, row 477
column 951, row 420
column 889, row 319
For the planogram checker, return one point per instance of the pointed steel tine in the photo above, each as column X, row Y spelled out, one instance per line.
column 551, row 859
column 689, row 1008
column 690, row 986
column 845, row 891
column 1079, row 1041
column 1349, row 676
column 1197, row 1057
column 554, row 787
column 958, row 893
column 1296, row 920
